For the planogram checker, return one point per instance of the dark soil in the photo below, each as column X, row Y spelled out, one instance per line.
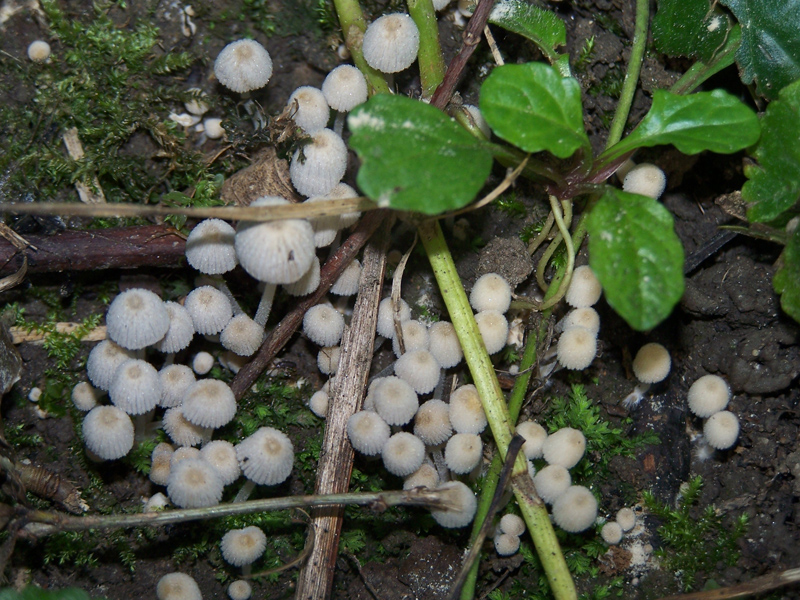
column 729, row 323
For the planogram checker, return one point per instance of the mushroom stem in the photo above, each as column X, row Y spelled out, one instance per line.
column 338, row 123
column 265, row 305
column 632, row 400
column 245, row 491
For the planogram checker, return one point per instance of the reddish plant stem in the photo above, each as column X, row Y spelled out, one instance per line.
column 472, row 37
column 278, row 337
column 118, row 247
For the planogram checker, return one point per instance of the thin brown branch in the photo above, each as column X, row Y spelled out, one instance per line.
column 278, row 337
column 472, row 37
column 121, row 247
column 347, row 391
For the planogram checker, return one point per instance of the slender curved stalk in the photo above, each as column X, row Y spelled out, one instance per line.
column 42, row 522
column 431, row 61
column 632, row 75
column 545, row 259
column 351, row 19
column 700, row 71
column 533, row 509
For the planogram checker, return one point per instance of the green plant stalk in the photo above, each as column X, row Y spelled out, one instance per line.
column 485, row 379
column 632, row 74
column 700, row 71
column 431, row 61
column 351, row 18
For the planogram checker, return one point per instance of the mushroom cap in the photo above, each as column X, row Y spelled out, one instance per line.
column 84, row 396
column 181, row 431
column 403, row 454
column 178, row 586
column 345, row 87
column 466, row 410
column 464, row 500
column 137, row 318
column 209, row 247
column 182, row 453
column 243, row 65
column 175, row 380
column 564, row 447
column 202, row 362
column 38, row 51
column 444, row 344
column 575, row 510
column 535, row 436
column 708, row 395
column 506, row 544
column 551, row 482
column 197, row 105
column 463, row 452
column 585, row 317
column 432, row 422
column 309, row 108
column 209, row 403
column 103, row 361
column 242, row 335
column 395, row 400
column 342, row 191
column 266, row 457
column 652, row 363
column 209, row 308
column 626, row 518
column 419, row 369
column 512, row 524
column 180, row 332
column 240, row 590
column 391, row 43
column 576, row 348
column 328, row 359
column 415, row 337
column 318, row 166
column 490, row 292
column 213, row 128
column 307, row 283
column 193, row 483
column 584, row 289
column 494, row 329
column 347, row 283
column 243, row 546
column 368, row 432
column 721, row 430
column 318, row 403
column 136, row 387
column 385, row 326
column 645, row 179
column 108, row 432
column 611, row 533
column 323, row 325
column 277, row 252
column 425, row 476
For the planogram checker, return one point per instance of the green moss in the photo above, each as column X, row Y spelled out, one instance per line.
column 511, row 205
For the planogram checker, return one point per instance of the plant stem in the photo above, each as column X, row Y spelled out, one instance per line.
column 700, row 71
column 485, row 379
column 43, row 523
column 632, row 75
column 431, row 61
column 351, row 19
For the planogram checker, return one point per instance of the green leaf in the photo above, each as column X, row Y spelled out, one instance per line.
column 637, row 257
column 542, row 27
column 694, row 28
column 774, row 184
column 787, row 279
column 535, row 108
column 770, row 50
column 414, row 157
column 715, row 121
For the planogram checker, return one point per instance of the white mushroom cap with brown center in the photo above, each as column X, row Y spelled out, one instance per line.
column 137, row 318
column 403, row 454
column 193, row 483
column 444, row 344
column 419, row 369
column 318, row 166
column 576, row 348
column 266, row 457
column 368, row 432
column 391, row 43
column 181, row 431
column 243, row 546
column 243, row 65
column 708, row 395
column 209, row 308
column 221, row 455
column 490, row 292
column 584, row 289
column 494, row 329
column 466, row 506
column 178, row 586
column 108, row 432
column 645, row 179
column 136, row 387
column 175, row 380
column 242, row 335
column 209, row 247
column 575, row 510
column 466, row 410
column 307, row 283
column 345, row 88
column 277, row 252
column 209, row 403
column 463, row 452
column 84, row 396
column 347, row 283
column 415, row 337
column 425, row 476
column 323, row 325
column 386, row 316
column 432, row 422
column 535, row 436
column 564, row 447
column 512, row 524
column 309, row 109
column 395, row 400
column 652, row 363
column 180, row 332
column 506, row 544
column 103, row 361
column 551, row 482
column 721, row 430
